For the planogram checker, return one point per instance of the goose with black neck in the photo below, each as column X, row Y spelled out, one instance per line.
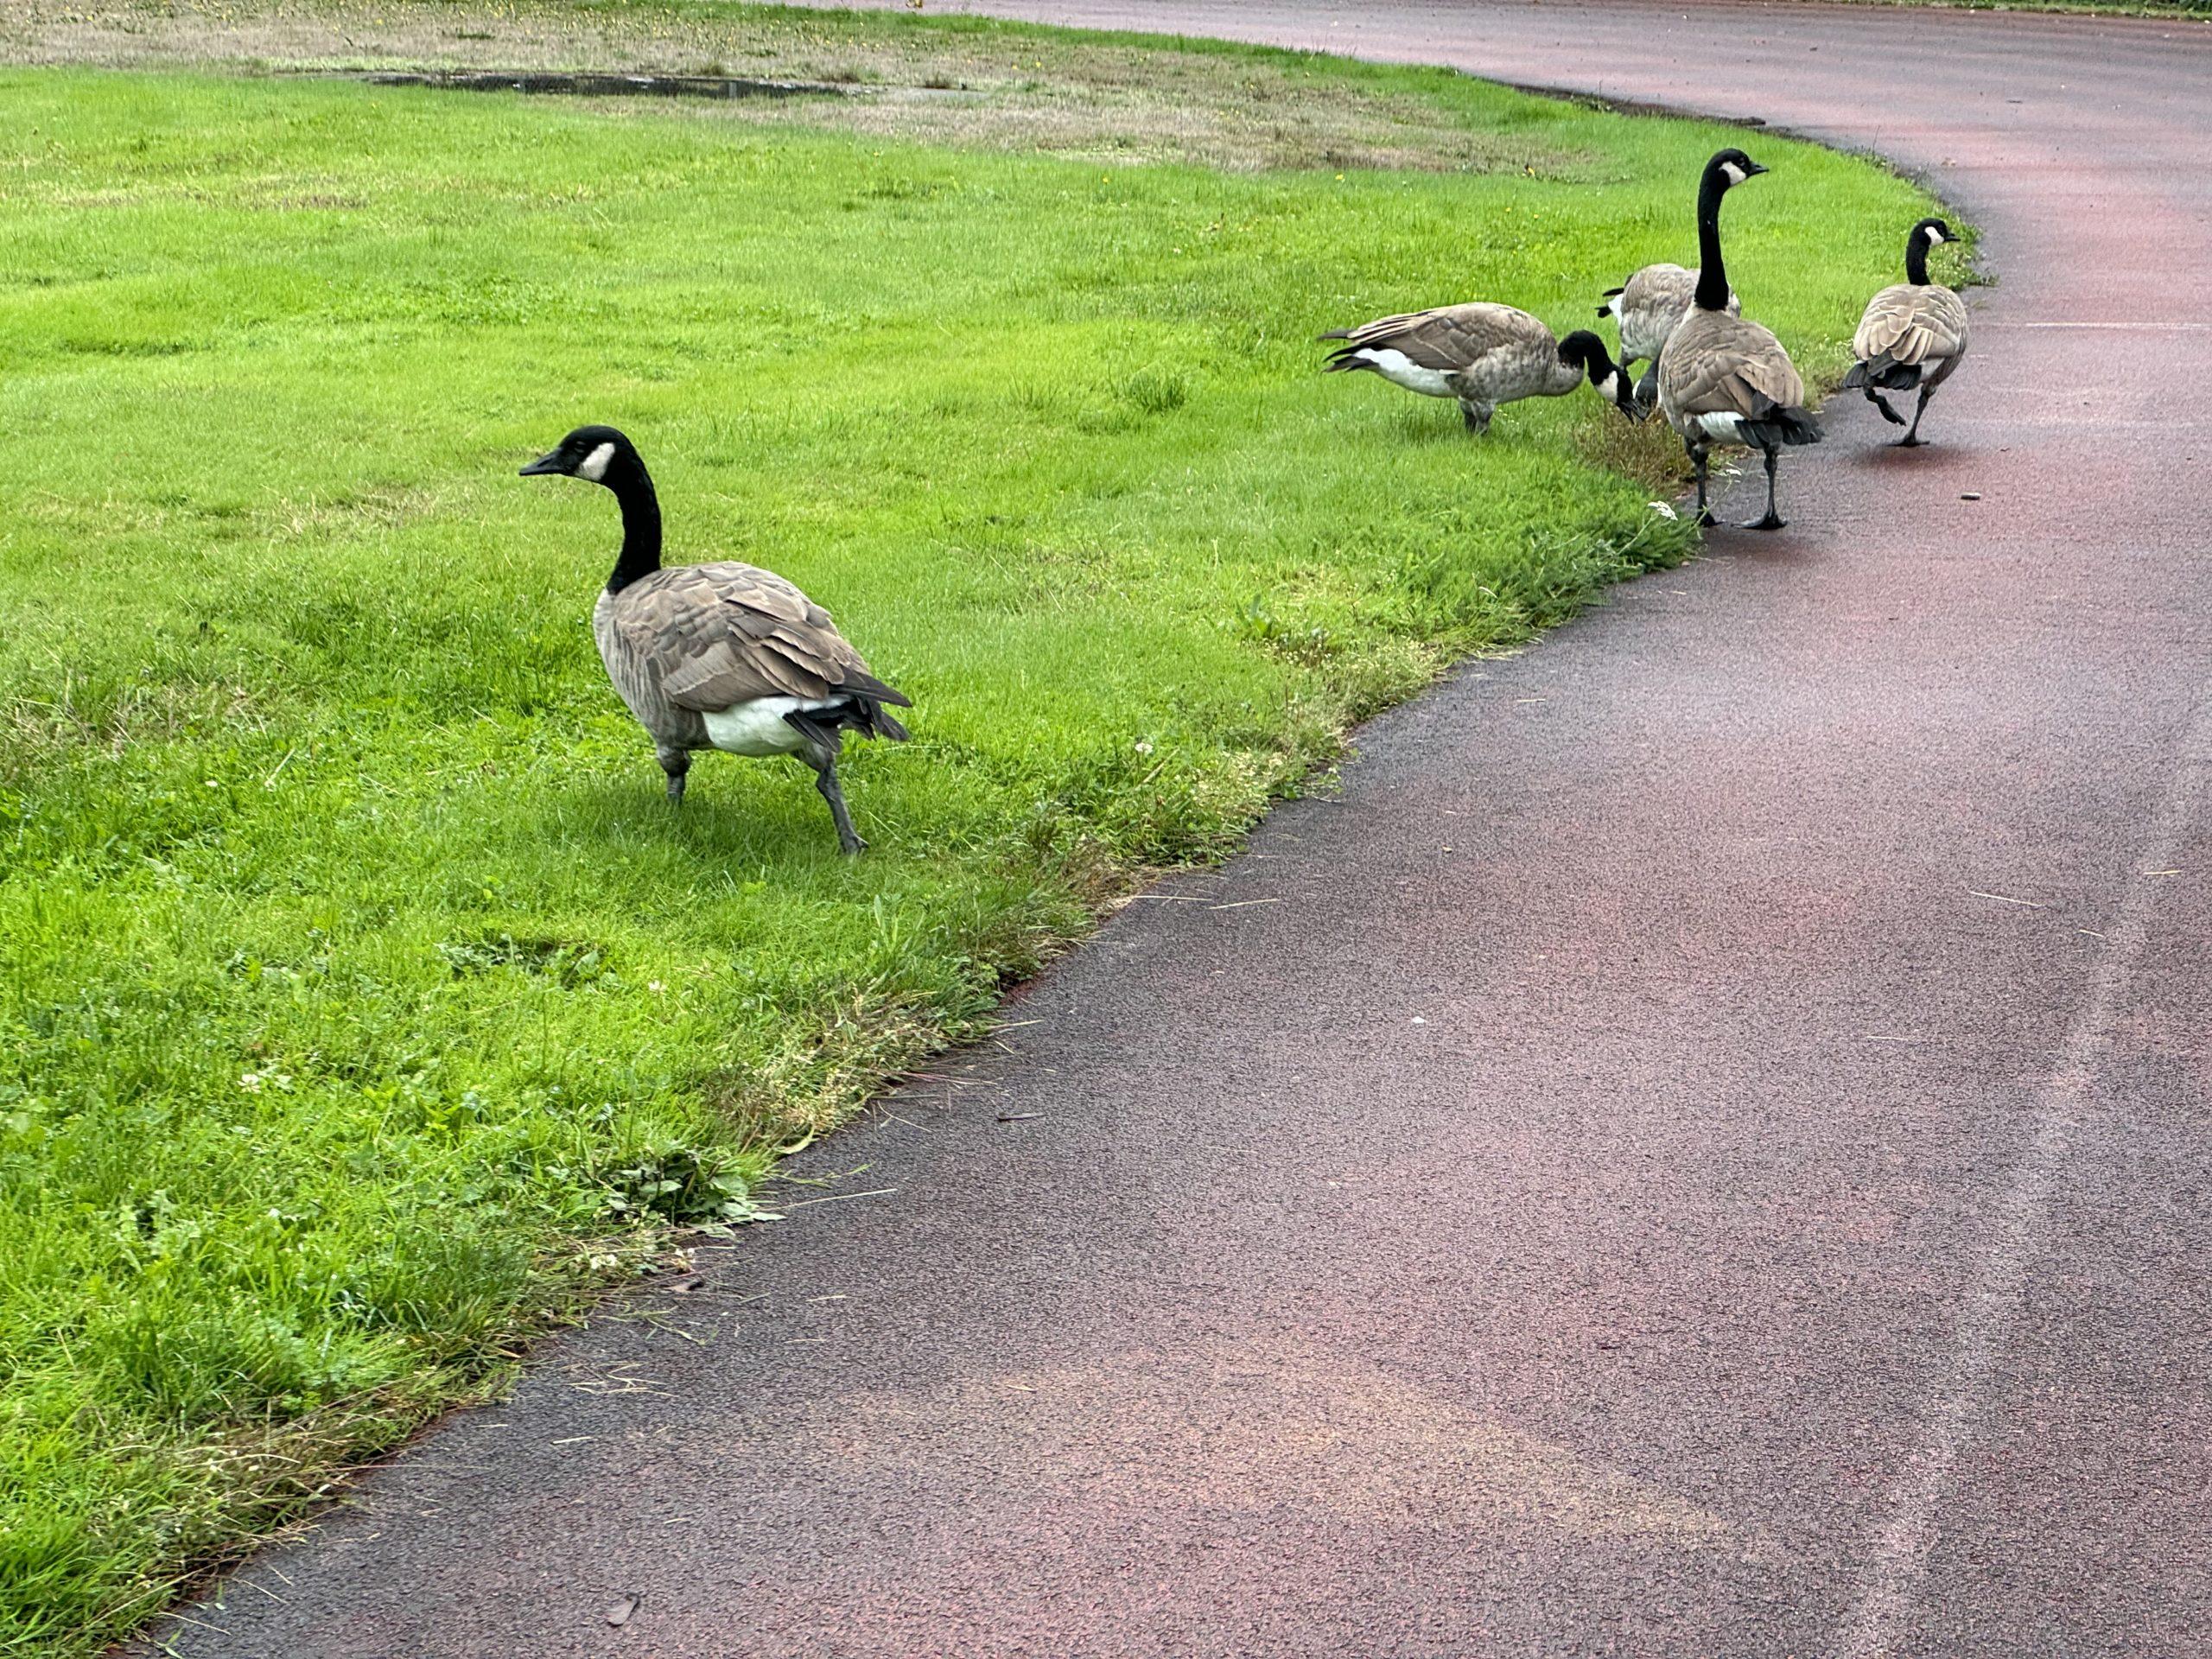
column 1647, row 308
column 1482, row 354
column 1723, row 378
column 722, row 656
column 1913, row 334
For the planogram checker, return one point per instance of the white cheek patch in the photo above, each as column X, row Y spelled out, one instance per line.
column 1934, row 238
column 1611, row 385
column 1736, row 174
column 594, row 469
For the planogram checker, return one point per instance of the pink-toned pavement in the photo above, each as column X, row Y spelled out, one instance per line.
column 1703, row 1149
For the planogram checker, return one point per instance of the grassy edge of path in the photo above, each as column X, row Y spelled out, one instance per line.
column 364, row 1012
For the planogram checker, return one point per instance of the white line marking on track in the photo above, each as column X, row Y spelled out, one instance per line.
column 2118, row 328
column 2064, row 1111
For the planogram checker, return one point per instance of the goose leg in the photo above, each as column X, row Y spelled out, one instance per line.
column 1773, row 519
column 1647, row 389
column 1477, row 416
column 1912, row 440
column 677, row 763
column 1883, row 404
column 1705, row 519
column 825, row 779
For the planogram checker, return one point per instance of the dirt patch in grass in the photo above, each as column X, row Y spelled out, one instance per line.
column 981, row 85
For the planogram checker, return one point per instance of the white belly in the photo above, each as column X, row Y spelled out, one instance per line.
column 758, row 728
column 1728, row 429
column 1401, row 371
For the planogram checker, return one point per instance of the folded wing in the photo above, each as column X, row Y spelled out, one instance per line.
column 1721, row 365
column 1911, row 324
column 1446, row 338
column 716, row 635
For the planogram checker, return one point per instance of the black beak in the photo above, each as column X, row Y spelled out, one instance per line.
column 544, row 465
column 1754, row 169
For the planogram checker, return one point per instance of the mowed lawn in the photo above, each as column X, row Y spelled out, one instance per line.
column 362, row 1002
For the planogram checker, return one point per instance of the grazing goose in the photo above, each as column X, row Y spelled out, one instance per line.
column 1723, row 379
column 1913, row 334
column 1480, row 353
column 719, row 656
column 1647, row 307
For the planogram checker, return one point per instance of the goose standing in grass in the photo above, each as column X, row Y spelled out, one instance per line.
column 1648, row 308
column 1724, row 379
column 1913, row 334
column 1482, row 355
column 721, row 657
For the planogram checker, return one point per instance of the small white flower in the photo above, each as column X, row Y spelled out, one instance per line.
column 655, row 986
column 250, row 1082
column 1144, row 745
column 1663, row 509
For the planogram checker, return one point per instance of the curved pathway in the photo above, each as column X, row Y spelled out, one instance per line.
column 1702, row 1149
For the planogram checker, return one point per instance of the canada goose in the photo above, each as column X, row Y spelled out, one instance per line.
column 1480, row 353
column 1913, row 334
column 1647, row 307
column 719, row 656
column 1723, row 379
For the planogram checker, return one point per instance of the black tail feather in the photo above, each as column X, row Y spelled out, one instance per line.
column 866, row 715
column 859, row 682
column 1781, row 427
column 1883, row 374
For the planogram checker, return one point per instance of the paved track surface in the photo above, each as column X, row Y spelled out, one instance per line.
column 1702, row 1150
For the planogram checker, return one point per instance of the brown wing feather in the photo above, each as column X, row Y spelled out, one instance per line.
column 1716, row 364
column 1447, row 337
column 1907, row 324
column 719, row 634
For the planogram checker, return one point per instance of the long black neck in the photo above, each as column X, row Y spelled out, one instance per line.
column 640, row 554
column 1711, row 275
column 1916, row 259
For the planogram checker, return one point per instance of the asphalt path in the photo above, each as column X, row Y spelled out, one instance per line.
column 1701, row 1149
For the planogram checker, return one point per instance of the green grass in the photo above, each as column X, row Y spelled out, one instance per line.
column 361, row 1002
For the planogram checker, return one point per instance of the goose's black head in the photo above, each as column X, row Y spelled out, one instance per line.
column 1929, row 233
column 600, row 454
column 591, row 453
column 1730, row 168
column 1585, row 351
